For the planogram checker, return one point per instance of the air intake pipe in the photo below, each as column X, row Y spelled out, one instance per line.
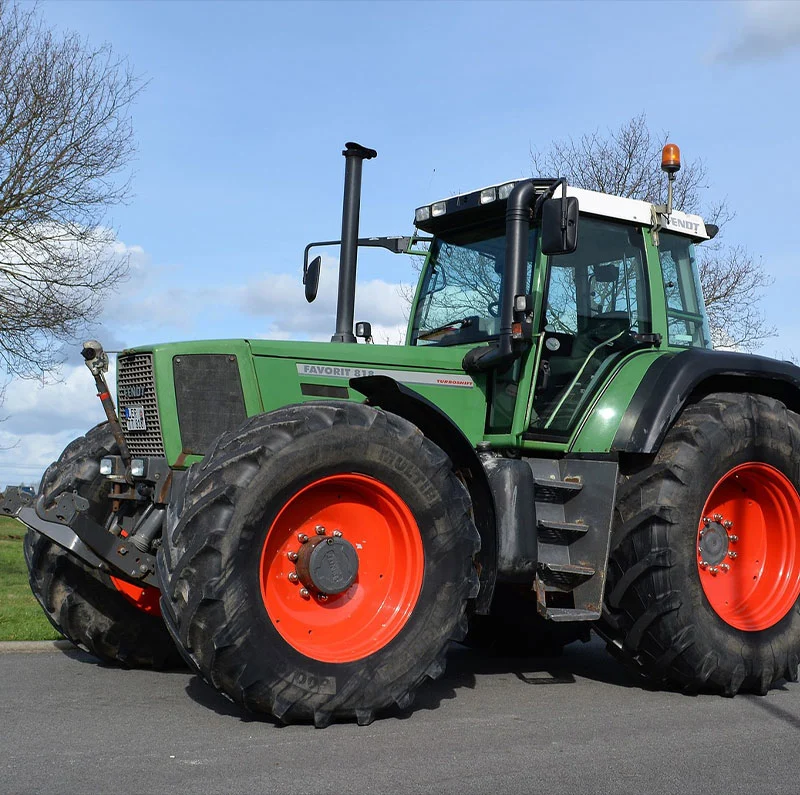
column 345, row 308
column 518, row 222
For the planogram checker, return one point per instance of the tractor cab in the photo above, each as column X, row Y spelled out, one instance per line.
column 624, row 288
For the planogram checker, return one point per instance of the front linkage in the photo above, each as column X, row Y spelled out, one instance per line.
column 126, row 545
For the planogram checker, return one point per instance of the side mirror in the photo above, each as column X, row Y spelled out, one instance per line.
column 560, row 225
column 311, row 278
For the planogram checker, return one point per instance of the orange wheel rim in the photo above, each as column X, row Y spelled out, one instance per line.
column 359, row 518
column 748, row 547
column 146, row 598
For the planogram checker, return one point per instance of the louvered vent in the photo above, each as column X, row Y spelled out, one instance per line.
column 136, row 387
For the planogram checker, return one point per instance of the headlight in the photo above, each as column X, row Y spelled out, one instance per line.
column 438, row 208
column 488, row 195
column 422, row 213
column 106, row 466
column 137, row 467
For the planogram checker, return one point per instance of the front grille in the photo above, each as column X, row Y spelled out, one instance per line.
column 136, row 387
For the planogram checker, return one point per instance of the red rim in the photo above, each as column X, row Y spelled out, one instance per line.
column 145, row 598
column 382, row 531
column 748, row 547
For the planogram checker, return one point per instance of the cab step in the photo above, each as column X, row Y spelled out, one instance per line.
column 564, row 576
column 573, row 499
column 552, row 532
column 568, row 614
column 556, row 491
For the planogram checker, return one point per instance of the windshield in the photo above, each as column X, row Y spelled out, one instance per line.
column 460, row 298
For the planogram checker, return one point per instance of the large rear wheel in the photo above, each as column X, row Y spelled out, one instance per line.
column 322, row 562
column 703, row 587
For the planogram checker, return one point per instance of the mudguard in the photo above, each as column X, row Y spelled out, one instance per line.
column 674, row 379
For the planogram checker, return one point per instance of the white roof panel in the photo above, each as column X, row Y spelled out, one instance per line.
column 635, row 210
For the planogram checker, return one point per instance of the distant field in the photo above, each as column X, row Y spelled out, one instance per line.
column 21, row 617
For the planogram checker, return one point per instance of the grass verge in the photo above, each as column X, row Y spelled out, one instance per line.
column 21, row 617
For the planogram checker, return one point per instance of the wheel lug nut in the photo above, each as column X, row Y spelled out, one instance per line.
column 304, row 593
column 302, row 538
column 703, row 564
column 724, row 566
column 292, row 556
column 717, row 517
column 733, row 555
column 733, row 539
column 727, row 525
column 713, row 569
column 319, row 530
column 706, row 520
column 293, row 577
column 323, row 597
column 337, row 534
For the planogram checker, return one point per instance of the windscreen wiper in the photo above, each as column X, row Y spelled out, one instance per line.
column 462, row 323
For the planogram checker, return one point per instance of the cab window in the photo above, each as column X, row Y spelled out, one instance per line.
column 597, row 302
column 687, row 324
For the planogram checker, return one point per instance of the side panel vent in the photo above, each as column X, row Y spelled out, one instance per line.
column 209, row 395
column 135, row 388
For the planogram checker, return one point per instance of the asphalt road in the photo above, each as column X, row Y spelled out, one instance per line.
column 575, row 724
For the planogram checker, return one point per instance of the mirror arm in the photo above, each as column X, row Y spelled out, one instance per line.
column 397, row 245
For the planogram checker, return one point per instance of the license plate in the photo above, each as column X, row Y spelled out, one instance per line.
column 134, row 418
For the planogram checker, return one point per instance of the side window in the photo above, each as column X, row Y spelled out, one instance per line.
column 687, row 324
column 597, row 298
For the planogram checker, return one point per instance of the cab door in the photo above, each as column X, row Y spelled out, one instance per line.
column 596, row 310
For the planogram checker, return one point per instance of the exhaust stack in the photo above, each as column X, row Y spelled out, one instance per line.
column 345, row 308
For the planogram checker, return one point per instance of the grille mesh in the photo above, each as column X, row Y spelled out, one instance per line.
column 134, row 378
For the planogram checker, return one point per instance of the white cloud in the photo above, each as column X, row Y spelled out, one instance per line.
column 41, row 419
column 765, row 29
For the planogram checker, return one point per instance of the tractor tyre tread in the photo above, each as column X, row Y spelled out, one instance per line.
column 196, row 550
column 655, row 616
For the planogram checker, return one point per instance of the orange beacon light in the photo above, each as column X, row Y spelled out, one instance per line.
column 670, row 158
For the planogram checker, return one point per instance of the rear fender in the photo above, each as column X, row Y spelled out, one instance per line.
column 673, row 381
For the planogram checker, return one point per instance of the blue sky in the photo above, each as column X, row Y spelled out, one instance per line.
column 247, row 105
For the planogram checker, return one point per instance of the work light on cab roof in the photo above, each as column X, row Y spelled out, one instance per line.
column 483, row 196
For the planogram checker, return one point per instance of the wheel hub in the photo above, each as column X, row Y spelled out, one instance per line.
column 713, row 546
column 327, row 564
column 342, row 567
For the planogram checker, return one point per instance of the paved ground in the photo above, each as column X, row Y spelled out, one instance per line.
column 575, row 725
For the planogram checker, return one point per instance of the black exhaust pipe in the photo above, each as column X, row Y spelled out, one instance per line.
column 345, row 307
column 518, row 220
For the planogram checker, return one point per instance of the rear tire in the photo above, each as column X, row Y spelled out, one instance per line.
column 679, row 607
column 225, row 568
column 81, row 602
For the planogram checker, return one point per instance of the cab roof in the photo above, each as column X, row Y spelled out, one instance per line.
column 474, row 209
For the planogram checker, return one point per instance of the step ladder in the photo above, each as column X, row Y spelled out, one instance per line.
column 574, row 503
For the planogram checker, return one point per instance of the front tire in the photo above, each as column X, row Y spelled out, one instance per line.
column 322, row 562
column 704, row 572
column 88, row 607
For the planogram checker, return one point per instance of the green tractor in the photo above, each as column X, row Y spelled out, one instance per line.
column 556, row 448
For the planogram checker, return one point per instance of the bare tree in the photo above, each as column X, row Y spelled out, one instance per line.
column 65, row 139
column 626, row 162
